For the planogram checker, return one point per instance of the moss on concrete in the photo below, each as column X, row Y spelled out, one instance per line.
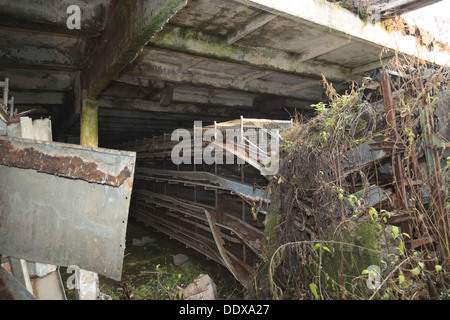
column 129, row 53
column 271, row 224
column 343, row 268
column 89, row 123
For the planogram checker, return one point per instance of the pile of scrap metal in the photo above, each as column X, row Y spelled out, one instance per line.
column 385, row 161
column 60, row 205
column 218, row 208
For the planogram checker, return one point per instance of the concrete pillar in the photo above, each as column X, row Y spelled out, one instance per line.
column 89, row 123
column 88, row 282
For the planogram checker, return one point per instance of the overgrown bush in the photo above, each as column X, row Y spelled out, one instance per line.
column 315, row 247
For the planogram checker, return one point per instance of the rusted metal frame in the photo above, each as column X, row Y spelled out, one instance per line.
column 415, row 186
column 354, row 159
column 219, row 206
column 235, row 223
column 176, row 226
column 245, row 191
column 214, row 226
column 252, row 236
column 176, row 181
column 442, row 223
column 252, row 239
column 401, row 184
column 183, row 220
column 248, row 235
column 229, row 262
column 183, row 238
column 396, row 157
column 241, row 152
column 166, row 201
column 220, row 245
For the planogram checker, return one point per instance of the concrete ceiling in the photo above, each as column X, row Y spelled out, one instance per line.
column 155, row 66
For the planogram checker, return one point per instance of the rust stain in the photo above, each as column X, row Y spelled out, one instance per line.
column 66, row 166
column 5, row 291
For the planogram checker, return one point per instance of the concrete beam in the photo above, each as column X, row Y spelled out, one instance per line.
column 330, row 17
column 192, row 63
column 125, row 87
column 155, row 117
column 29, row 79
column 173, row 73
column 316, row 51
column 256, row 75
column 184, row 109
column 52, row 15
column 194, row 42
column 251, row 26
column 362, row 70
column 274, row 104
column 42, row 98
column 131, row 115
column 306, row 85
column 128, row 31
column 403, row 5
column 212, row 97
column 24, row 48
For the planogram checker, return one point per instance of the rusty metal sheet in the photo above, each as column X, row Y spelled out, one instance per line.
column 65, row 204
column 66, row 160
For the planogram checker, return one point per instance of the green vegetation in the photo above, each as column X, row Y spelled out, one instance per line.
column 321, row 241
column 150, row 274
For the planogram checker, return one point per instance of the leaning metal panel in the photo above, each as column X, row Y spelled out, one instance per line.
column 65, row 204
